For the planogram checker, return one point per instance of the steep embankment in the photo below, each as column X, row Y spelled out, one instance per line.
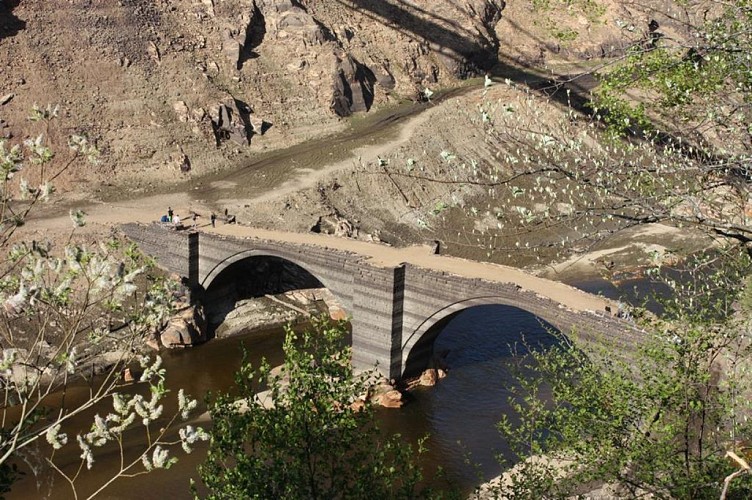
column 167, row 88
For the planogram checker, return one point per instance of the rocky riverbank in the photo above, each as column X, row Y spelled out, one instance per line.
column 191, row 325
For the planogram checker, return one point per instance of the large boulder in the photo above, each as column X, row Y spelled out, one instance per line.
column 186, row 329
column 391, row 399
column 352, row 86
column 387, row 396
column 286, row 19
column 428, row 378
column 231, row 47
column 230, row 121
column 336, row 225
column 181, row 110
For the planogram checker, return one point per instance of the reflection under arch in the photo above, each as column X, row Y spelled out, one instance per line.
column 459, row 414
column 418, row 349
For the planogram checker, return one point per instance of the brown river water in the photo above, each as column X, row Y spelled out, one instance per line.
column 458, row 415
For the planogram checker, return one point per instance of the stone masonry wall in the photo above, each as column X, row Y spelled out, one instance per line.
column 170, row 248
column 377, row 319
column 392, row 309
column 430, row 296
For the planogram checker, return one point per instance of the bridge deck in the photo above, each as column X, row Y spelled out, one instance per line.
column 382, row 255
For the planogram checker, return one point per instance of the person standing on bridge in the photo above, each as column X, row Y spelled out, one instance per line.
column 213, row 219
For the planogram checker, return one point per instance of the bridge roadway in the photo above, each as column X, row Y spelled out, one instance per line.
column 393, row 295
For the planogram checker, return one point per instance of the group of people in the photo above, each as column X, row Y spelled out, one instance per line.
column 174, row 218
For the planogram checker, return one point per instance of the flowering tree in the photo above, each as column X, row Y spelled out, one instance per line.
column 659, row 422
column 75, row 317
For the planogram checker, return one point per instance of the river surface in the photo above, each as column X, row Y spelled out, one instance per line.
column 458, row 415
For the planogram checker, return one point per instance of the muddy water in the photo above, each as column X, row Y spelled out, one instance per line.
column 208, row 368
column 459, row 414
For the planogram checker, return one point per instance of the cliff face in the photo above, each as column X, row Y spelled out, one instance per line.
column 166, row 88
column 154, row 81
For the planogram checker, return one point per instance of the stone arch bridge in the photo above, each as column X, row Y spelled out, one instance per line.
column 393, row 296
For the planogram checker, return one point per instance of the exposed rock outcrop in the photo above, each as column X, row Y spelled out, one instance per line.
column 335, row 225
column 186, row 329
column 230, row 121
column 352, row 88
column 287, row 19
column 300, row 64
column 431, row 376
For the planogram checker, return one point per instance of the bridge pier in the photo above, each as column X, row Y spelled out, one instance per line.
column 377, row 319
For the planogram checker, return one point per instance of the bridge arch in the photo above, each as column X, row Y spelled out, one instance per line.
column 417, row 347
column 228, row 261
column 219, row 267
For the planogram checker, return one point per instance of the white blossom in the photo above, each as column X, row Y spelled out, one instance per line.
column 151, row 371
column 70, row 361
column 99, row 433
column 190, row 435
column 147, row 463
column 56, row 438
column 185, row 404
column 86, row 453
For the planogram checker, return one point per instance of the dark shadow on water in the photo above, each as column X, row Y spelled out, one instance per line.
column 460, row 413
column 252, row 278
column 497, row 338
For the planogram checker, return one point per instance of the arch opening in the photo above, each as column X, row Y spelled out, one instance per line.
column 485, row 332
column 261, row 291
column 482, row 348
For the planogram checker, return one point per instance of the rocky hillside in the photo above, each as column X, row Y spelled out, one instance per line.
column 183, row 87
column 173, row 89
column 162, row 85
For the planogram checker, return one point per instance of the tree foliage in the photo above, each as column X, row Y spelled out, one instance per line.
column 693, row 76
column 310, row 436
column 657, row 421
column 74, row 315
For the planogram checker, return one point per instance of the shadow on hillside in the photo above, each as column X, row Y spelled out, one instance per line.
column 461, row 45
column 255, row 33
column 457, row 44
column 10, row 25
